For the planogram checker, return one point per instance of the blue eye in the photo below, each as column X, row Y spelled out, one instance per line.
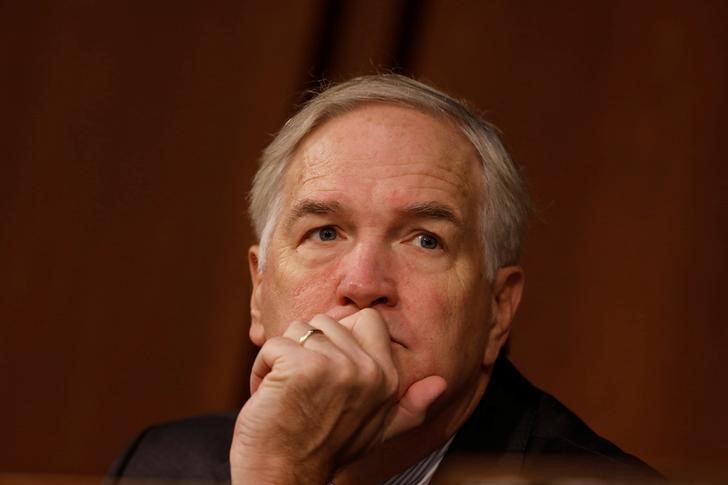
column 326, row 233
column 428, row 241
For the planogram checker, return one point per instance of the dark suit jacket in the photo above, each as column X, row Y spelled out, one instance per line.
column 516, row 426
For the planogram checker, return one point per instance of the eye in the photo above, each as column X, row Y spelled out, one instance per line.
column 326, row 233
column 428, row 241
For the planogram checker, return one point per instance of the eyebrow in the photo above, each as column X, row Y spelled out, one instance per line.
column 421, row 210
column 431, row 210
column 311, row 207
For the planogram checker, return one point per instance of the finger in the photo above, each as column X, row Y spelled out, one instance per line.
column 411, row 410
column 340, row 336
column 369, row 329
column 336, row 338
column 333, row 340
column 297, row 330
column 276, row 350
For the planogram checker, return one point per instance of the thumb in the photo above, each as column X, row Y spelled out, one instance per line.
column 411, row 410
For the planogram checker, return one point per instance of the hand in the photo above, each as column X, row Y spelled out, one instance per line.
column 318, row 406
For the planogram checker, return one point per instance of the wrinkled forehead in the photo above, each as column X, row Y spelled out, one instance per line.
column 376, row 140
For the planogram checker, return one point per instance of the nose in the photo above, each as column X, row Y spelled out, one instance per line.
column 366, row 279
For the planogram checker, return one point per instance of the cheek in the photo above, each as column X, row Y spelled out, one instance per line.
column 448, row 323
column 431, row 317
column 294, row 295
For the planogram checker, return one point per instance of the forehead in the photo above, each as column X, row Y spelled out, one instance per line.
column 387, row 151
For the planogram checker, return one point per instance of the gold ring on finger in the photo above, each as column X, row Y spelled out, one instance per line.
column 308, row 334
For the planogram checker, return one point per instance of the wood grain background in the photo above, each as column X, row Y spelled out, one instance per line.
column 131, row 130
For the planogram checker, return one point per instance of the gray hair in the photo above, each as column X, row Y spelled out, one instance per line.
column 506, row 204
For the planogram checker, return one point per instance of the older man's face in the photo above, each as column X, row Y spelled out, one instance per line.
column 380, row 209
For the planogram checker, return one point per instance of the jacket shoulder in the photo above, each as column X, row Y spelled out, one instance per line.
column 560, row 438
column 519, row 424
column 195, row 448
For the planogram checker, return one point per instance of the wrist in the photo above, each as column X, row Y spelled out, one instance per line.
column 271, row 469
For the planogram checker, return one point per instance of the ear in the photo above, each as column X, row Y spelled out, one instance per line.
column 506, row 296
column 257, row 331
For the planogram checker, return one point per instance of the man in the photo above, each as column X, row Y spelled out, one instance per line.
column 384, row 287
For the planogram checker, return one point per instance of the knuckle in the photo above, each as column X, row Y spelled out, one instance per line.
column 392, row 383
column 385, row 384
column 371, row 372
column 315, row 365
column 346, row 370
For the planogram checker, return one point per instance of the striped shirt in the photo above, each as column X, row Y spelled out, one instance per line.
column 421, row 473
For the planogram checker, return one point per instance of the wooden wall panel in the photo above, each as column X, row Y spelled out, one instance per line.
column 366, row 38
column 133, row 129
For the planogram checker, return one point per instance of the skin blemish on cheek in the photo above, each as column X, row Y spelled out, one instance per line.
column 309, row 292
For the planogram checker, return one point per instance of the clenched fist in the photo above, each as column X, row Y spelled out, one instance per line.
column 319, row 405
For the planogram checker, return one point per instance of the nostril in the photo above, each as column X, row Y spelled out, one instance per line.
column 382, row 300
